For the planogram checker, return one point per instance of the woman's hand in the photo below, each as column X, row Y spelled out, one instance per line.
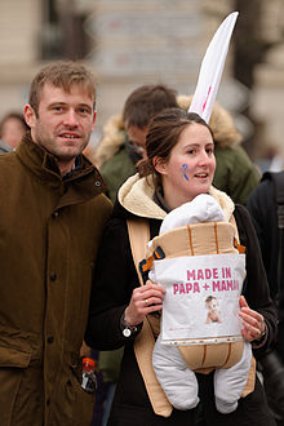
column 254, row 326
column 145, row 300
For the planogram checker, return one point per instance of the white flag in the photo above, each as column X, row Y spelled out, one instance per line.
column 212, row 68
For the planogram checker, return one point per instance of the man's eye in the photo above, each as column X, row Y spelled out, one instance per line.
column 84, row 111
column 58, row 108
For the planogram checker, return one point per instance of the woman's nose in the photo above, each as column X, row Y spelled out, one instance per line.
column 203, row 157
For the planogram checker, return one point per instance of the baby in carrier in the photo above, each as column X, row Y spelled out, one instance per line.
column 174, row 374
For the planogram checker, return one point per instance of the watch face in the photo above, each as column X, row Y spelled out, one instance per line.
column 126, row 332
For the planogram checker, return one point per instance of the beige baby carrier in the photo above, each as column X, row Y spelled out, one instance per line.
column 190, row 240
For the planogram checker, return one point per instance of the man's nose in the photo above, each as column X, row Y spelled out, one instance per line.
column 71, row 118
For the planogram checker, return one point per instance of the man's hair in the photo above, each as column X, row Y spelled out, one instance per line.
column 63, row 74
column 145, row 102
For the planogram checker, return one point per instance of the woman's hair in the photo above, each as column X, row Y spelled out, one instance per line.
column 163, row 134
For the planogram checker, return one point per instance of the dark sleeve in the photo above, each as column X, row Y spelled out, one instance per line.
column 257, row 205
column 262, row 208
column 114, row 280
column 256, row 289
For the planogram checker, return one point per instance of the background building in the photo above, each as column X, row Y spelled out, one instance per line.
column 129, row 42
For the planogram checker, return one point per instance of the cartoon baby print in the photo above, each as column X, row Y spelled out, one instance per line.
column 212, row 306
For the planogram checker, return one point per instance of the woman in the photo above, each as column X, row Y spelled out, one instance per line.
column 180, row 166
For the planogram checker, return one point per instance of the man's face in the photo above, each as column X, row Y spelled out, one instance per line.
column 137, row 138
column 63, row 124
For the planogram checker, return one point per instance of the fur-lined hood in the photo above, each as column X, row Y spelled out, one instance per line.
column 114, row 134
column 136, row 196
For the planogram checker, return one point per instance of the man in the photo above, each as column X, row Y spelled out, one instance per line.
column 52, row 216
column 123, row 144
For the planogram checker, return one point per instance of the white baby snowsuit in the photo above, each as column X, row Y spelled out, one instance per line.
column 175, row 377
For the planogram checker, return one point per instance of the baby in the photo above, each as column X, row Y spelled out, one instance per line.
column 176, row 378
column 213, row 315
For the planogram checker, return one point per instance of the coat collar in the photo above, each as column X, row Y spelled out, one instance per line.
column 136, row 196
column 83, row 184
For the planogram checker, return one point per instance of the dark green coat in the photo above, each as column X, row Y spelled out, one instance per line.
column 116, row 171
column 235, row 174
column 49, row 234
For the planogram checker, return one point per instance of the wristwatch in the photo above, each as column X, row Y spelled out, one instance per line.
column 126, row 329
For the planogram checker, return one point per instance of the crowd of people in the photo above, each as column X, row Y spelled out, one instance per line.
column 72, row 233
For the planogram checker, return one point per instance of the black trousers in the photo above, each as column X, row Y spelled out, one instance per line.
column 252, row 410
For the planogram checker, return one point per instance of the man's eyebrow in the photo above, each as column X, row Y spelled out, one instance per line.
column 60, row 103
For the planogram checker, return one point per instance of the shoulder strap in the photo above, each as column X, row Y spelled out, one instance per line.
column 139, row 235
column 234, row 223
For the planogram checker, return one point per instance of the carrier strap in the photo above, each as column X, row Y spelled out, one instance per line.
column 139, row 235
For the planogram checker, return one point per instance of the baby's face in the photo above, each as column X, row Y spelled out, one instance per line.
column 213, row 305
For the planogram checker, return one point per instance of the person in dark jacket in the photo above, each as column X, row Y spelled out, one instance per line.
column 263, row 207
column 180, row 166
column 52, row 216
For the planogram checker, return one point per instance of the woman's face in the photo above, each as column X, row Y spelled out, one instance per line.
column 190, row 168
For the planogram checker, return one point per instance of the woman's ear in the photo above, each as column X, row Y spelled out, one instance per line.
column 160, row 165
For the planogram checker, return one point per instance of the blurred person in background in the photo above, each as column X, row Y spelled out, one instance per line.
column 12, row 130
column 123, row 142
column 266, row 206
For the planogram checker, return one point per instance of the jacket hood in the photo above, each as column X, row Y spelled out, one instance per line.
column 136, row 197
column 221, row 122
column 114, row 133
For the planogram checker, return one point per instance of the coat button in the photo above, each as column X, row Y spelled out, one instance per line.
column 53, row 276
column 50, row 339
